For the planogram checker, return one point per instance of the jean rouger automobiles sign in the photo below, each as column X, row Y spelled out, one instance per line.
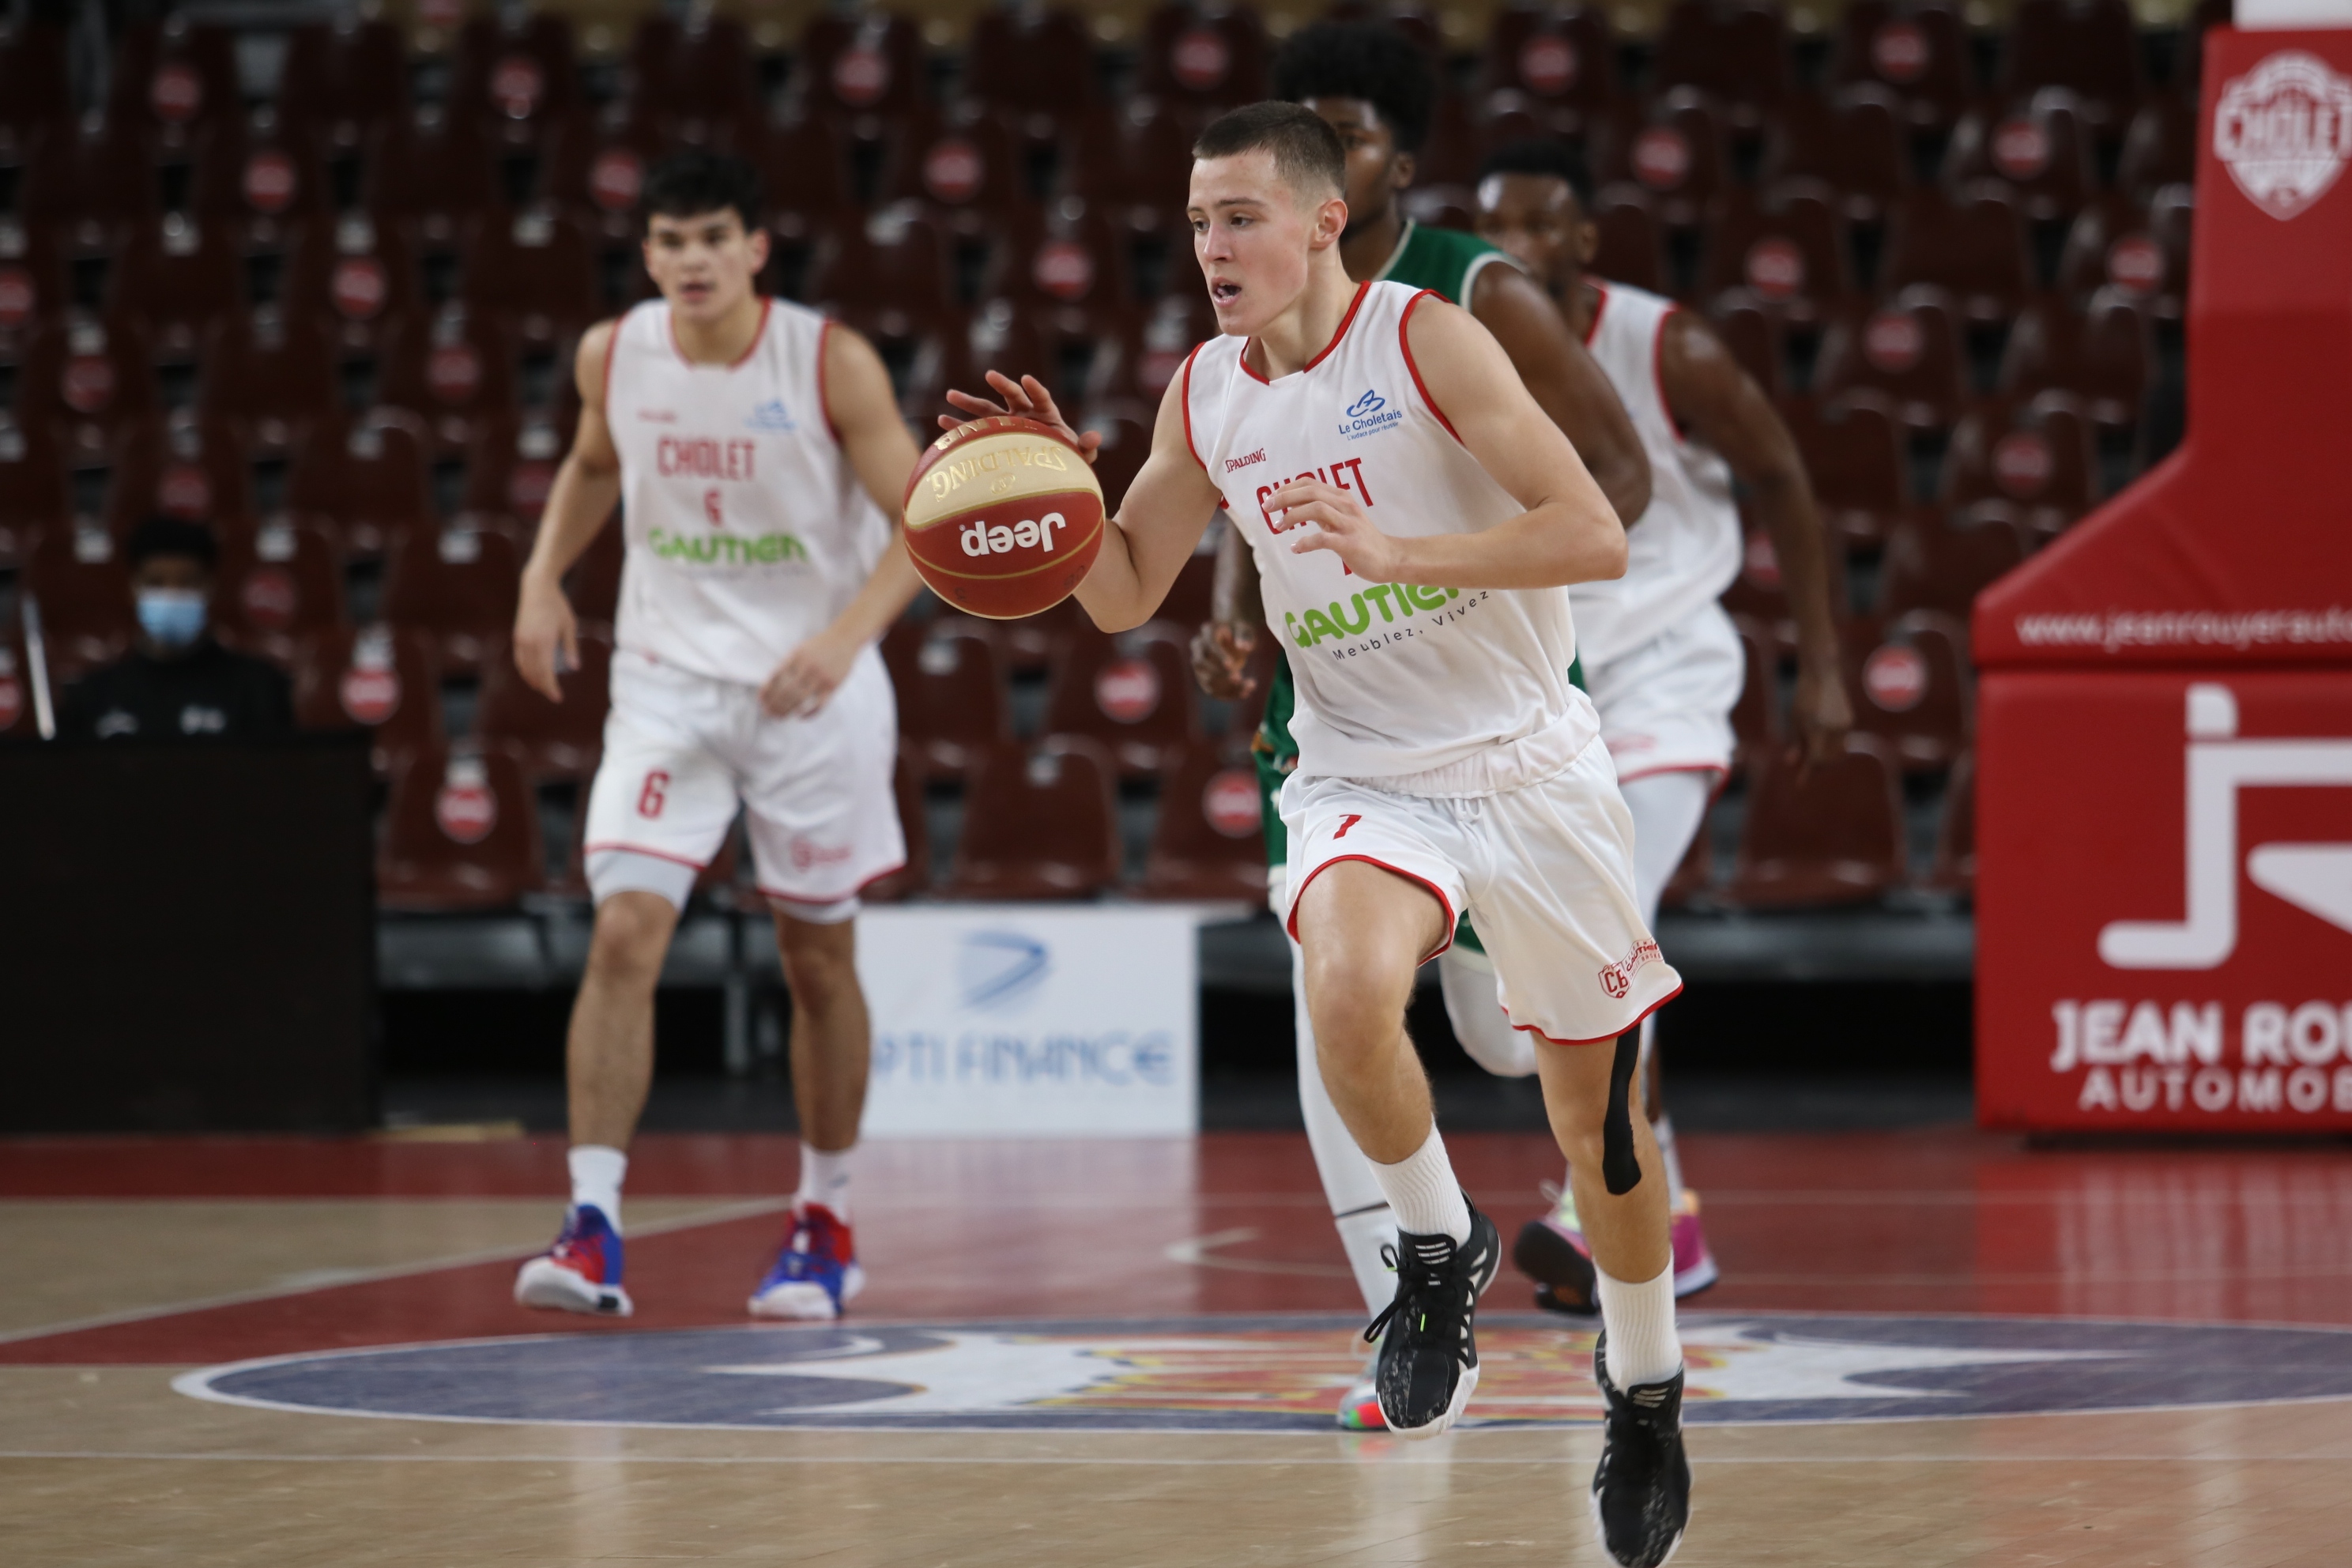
column 2164, row 808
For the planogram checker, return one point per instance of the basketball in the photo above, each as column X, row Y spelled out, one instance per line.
column 1003, row 517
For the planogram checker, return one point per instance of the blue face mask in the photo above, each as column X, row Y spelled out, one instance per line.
column 173, row 617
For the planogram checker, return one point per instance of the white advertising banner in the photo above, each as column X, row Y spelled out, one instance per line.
column 1022, row 1020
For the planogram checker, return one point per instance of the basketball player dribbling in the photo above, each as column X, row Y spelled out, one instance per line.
column 758, row 458
column 1415, row 518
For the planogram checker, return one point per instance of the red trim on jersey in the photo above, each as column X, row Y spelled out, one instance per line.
column 1599, row 1039
column 1188, row 409
column 1658, row 374
column 1717, row 769
column 1452, row 916
column 1592, row 326
column 588, row 849
column 824, row 399
column 766, row 306
column 838, row 898
column 1345, row 322
column 1404, row 343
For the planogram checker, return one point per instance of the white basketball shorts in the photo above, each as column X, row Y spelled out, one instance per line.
column 1666, row 706
column 1546, row 873
column 680, row 751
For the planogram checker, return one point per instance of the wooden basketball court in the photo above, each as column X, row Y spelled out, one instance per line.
column 1929, row 1348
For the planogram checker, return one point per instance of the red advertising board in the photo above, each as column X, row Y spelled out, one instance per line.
column 2164, row 808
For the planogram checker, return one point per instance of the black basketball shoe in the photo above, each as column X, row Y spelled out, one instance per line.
column 1428, row 1360
column 1640, row 1492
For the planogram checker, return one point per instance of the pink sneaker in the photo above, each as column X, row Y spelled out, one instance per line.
column 1552, row 1252
column 1695, row 1267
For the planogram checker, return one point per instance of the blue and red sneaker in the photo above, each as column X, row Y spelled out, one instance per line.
column 581, row 1272
column 816, row 1273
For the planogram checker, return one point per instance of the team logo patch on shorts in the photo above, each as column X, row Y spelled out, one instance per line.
column 1618, row 978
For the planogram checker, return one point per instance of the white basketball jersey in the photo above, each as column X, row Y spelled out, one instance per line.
column 1684, row 551
column 746, row 528
column 1428, row 690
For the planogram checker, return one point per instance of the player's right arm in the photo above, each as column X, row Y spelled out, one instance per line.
column 587, row 487
column 1159, row 521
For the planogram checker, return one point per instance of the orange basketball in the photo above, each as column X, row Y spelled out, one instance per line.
column 1003, row 517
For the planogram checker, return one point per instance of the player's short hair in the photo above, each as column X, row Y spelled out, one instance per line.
column 171, row 536
column 1307, row 151
column 700, row 182
column 1370, row 61
column 1544, row 158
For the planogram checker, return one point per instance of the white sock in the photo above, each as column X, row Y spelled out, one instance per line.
column 1642, row 1344
column 825, row 1179
column 596, row 1172
column 1362, row 1236
column 1422, row 1189
column 1663, row 1130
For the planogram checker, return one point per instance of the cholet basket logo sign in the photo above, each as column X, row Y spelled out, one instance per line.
column 2284, row 131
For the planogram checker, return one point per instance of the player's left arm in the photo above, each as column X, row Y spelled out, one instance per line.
column 1569, row 532
column 881, row 451
column 1720, row 405
column 1565, row 383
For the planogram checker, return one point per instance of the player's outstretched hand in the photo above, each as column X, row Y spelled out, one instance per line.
column 546, row 638
column 808, row 678
column 1340, row 527
column 1026, row 397
column 1221, row 656
column 1822, row 712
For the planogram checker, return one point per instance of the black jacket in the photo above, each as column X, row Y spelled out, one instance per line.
column 207, row 694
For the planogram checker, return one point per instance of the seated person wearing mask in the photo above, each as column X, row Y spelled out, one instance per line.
column 178, row 681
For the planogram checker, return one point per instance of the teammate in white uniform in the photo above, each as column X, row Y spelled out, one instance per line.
column 1415, row 516
column 758, row 458
column 1661, row 658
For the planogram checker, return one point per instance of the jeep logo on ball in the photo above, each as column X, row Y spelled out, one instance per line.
column 982, row 538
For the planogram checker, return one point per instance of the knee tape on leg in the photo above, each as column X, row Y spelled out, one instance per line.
column 1619, row 1170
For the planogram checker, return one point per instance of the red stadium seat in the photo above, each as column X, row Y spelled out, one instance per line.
column 1133, row 693
column 537, row 269
column 1829, row 834
column 174, row 76
column 1971, row 245
column 31, row 278
column 596, row 164
column 183, row 465
column 952, row 694
column 968, row 160
column 1919, row 51
column 1560, row 55
column 79, row 370
column 33, row 491
column 353, row 270
column 454, row 369
column 1756, row 717
column 379, row 679
column 256, row 169
column 271, row 369
column 1126, row 442
column 1037, row 825
column 1756, row 595
column 458, row 584
column 2039, row 150
column 96, row 169
column 2159, row 147
column 893, row 261
column 1153, row 349
column 1755, row 335
column 1208, row 843
column 512, row 466
column 282, row 585
column 552, row 741
column 1677, row 155
column 1066, row 260
column 461, row 833
column 863, row 62
column 1203, row 58
column 1856, row 144
column 804, row 168
column 1910, row 688
column 1135, row 155
column 1954, row 869
column 513, row 67
column 350, row 72
column 916, row 874
column 1944, row 565
column 431, row 165
column 1031, row 59
column 1738, row 53
column 2037, row 456
column 19, row 707
column 366, row 480
column 2101, row 354
column 1019, row 340
column 2139, row 254
column 1853, row 455
column 1908, row 350
column 1633, row 248
column 34, row 80
column 178, row 273
column 1787, row 249
column 706, row 72
column 77, row 578
column 2089, row 46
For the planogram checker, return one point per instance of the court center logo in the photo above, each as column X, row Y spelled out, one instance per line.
column 2284, row 131
column 1280, row 1375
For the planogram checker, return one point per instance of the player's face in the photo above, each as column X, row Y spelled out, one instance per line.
column 1536, row 219
column 704, row 265
column 1376, row 170
column 1252, row 233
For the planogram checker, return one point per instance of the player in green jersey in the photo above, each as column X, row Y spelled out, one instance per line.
column 1377, row 89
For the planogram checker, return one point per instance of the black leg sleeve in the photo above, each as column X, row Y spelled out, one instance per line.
column 1618, row 1169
